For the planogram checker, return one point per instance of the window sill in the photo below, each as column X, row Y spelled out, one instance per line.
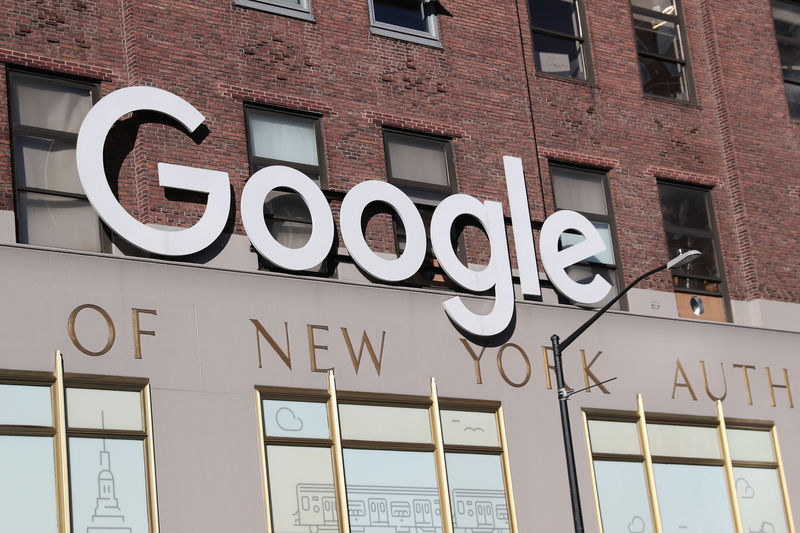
column 277, row 9
column 685, row 103
column 432, row 42
column 575, row 81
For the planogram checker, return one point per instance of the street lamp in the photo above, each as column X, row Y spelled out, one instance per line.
column 563, row 396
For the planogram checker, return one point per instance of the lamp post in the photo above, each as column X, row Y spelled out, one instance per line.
column 563, row 396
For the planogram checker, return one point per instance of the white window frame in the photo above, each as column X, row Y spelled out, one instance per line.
column 288, row 9
column 430, row 37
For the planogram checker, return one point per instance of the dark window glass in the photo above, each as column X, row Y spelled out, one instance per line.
column 687, row 222
column 406, row 13
column 52, row 209
column 558, row 38
column 663, row 66
column 786, row 15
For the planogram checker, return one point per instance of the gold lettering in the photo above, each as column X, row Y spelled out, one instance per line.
column 377, row 361
column 112, row 334
column 137, row 332
column 587, row 373
column 476, row 358
column 772, row 387
column 675, row 384
column 502, row 371
column 705, row 382
column 552, row 368
column 745, row 368
column 313, row 347
column 286, row 356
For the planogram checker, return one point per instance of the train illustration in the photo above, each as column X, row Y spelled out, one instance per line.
column 387, row 509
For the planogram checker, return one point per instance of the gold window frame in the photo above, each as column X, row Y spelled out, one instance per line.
column 718, row 422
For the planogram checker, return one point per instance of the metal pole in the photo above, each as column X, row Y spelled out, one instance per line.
column 577, row 513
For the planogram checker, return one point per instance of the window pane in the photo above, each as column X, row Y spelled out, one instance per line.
column 790, row 60
column 27, row 484
column 787, row 18
column 107, row 485
column 556, row 15
column 282, row 137
column 104, row 409
column 56, row 221
column 406, row 13
column 622, row 491
column 749, row 445
column 662, row 78
column 477, row 493
column 684, row 441
column 793, row 99
column 704, row 266
column 656, row 36
column 693, row 498
column 470, row 428
column 47, row 103
column 391, row 489
column 414, row 158
column 25, row 405
column 681, row 206
column 614, row 437
column 662, row 6
column 760, row 500
column 605, row 257
column 579, row 190
column 372, row 422
column 301, row 490
column 559, row 56
column 290, row 234
column 283, row 418
column 46, row 164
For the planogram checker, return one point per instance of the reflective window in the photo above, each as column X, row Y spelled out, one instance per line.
column 277, row 137
column 586, row 191
column 688, row 223
column 786, row 16
column 291, row 8
column 622, row 493
column 661, row 43
column 52, row 209
column 559, row 41
column 27, row 405
column 368, row 422
column 693, row 498
column 410, row 20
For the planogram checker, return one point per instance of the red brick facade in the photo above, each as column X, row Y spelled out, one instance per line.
column 480, row 88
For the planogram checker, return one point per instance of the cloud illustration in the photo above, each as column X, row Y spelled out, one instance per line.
column 744, row 489
column 636, row 525
column 287, row 420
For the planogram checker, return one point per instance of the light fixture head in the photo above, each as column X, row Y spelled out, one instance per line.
column 684, row 258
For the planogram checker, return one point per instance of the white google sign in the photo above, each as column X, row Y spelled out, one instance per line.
column 489, row 215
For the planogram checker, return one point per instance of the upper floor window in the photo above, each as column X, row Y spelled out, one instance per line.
column 661, row 44
column 103, row 443
column 423, row 167
column 586, row 191
column 410, row 20
column 689, row 225
column 559, row 38
column 786, row 15
column 52, row 209
column 277, row 137
column 291, row 8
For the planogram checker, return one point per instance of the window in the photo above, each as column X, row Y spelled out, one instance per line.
column 786, row 15
column 687, row 465
column 410, row 20
column 325, row 452
column 52, row 209
column 293, row 140
column 661, row 43
column 300, row 9
column 688, row 223
column 586, row 191
column 558, row 38
column 104, row 441
column 422, row 166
